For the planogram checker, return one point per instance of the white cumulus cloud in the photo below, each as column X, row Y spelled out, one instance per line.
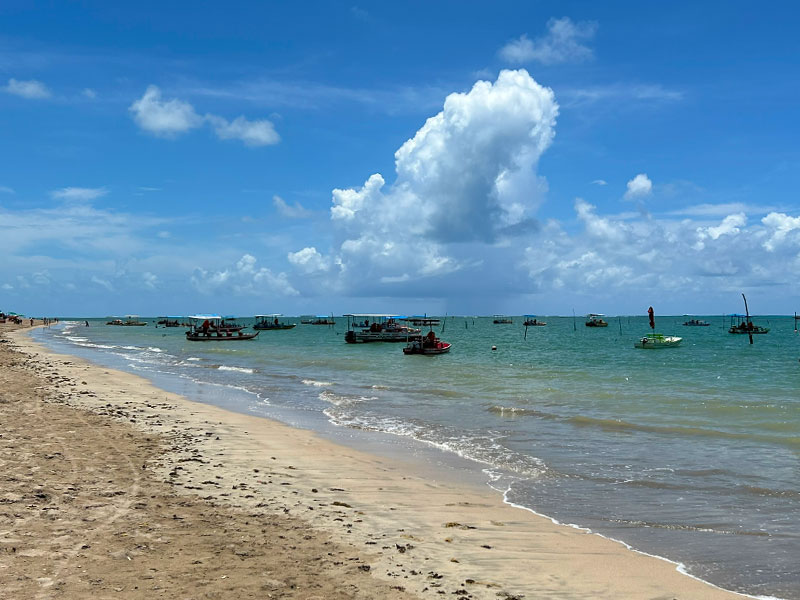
column 252, row 133
column 245, row 277
column 27, row 89
column 780, row 226
column 639, row 187
column 169, row 118
column 309, row 261
column 164, row 117
column 563, row 42
column 467, row 177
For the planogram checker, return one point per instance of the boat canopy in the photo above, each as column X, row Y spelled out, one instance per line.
column 270, row 315
column 205, row 317
column 373, row 315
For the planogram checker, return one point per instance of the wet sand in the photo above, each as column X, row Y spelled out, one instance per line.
column 115, row 488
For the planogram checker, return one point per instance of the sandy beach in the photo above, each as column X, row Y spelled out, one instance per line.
column 115, row 488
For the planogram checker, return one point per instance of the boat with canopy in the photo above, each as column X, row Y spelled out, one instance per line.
column 207, row 328
column 271, row 322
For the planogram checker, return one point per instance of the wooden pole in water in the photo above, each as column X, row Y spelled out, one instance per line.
column 749, row 324
column 574, row 327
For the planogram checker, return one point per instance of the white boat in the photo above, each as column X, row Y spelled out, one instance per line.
column 658, row 340
column 378, row 328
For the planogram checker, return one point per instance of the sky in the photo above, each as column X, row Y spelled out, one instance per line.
column 456, row 157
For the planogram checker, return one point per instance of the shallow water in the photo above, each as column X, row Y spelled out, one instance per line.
column 690, row 453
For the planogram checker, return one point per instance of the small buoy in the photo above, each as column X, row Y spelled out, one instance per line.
column 494, row 347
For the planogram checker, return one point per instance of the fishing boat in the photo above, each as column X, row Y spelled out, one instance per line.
column 743, row 324
column 318, row 320
column 501, row 320
column 653, row 341
column 595, row 320
column 130, row 321
column 429, row 345
column 532, row 321
column 171, row 322
column 378, row 328
column 696, row 323
column 270, row 322
column 206, row 328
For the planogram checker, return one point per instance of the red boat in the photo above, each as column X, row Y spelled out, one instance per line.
column 428, row 345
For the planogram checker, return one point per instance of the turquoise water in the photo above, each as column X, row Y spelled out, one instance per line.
column 690, row 453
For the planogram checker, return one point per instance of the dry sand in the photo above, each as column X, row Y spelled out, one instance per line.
column 143, row 493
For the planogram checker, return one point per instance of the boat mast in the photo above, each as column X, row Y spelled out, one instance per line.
column 749, row 324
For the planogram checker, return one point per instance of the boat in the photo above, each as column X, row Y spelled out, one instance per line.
column 696, row 323
column 319, row 320
column 658, row 340
column 378, row 328
column 743, row 324
column 532, row 321
column 429, row 345
column 270, row 322
column 130, row 321
column 206, row 328
column 653, row 341
column 501, row 320
column 171, row 322
column 595, row 320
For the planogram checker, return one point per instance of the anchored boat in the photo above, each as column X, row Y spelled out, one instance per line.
column 654, row 340
column 429, row 345
column 377, row 328
column 595, row 320
column 270, row 322
column 208, row 328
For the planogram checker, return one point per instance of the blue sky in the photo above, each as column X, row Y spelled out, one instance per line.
column 460, row 157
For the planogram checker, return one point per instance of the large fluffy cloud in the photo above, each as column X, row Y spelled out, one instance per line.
column 467, row 177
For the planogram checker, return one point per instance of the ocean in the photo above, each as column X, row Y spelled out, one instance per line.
column 687, row 453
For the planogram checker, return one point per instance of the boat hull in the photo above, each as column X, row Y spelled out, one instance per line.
column 415, row 348
column 654, row 342
column 220, row 338
column 270, row 327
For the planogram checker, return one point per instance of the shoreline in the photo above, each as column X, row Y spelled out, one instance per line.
column 427, row 536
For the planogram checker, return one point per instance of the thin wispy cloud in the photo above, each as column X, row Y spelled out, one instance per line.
column 78, row 194
column 291, row 211
column 4, row 189
column 564, row 42
column 31, row 88
column 599, row 182
column 312, row 95
column 619, row 92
